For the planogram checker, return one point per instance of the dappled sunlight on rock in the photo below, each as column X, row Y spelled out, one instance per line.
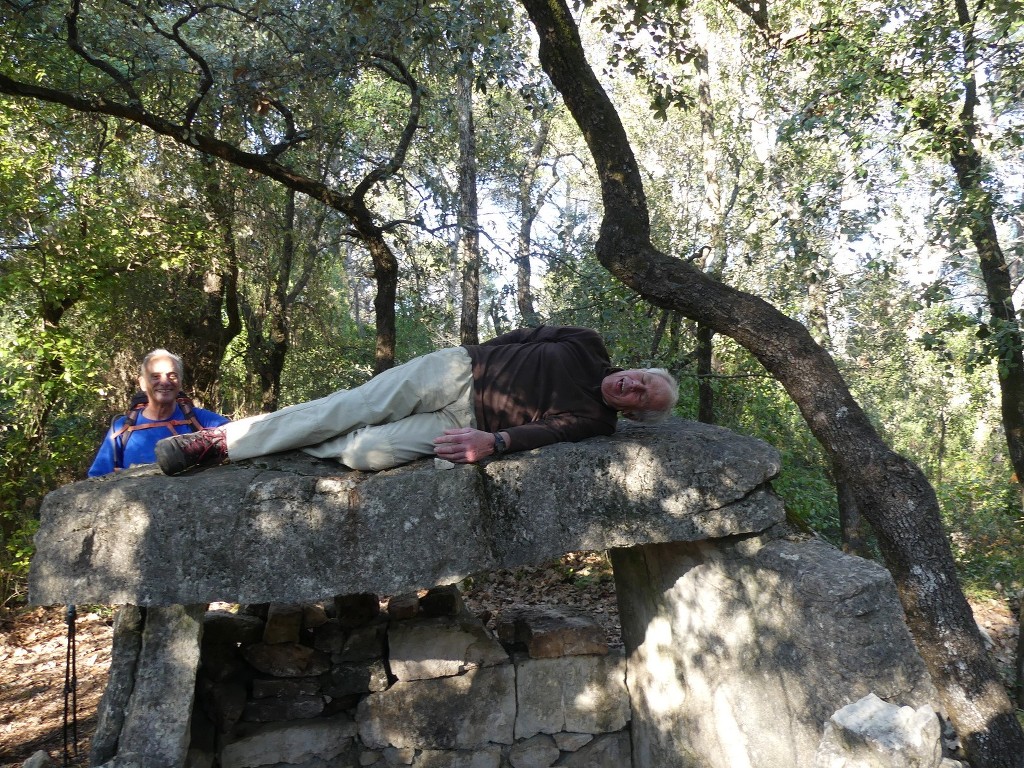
column 656, row 670
column 304, row 529
column 765, row 638
column 729, row 729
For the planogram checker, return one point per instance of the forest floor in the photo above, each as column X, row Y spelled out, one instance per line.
column 33, row 649
column 33, row 656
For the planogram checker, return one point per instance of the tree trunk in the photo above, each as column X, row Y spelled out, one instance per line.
column 968, row 165
column 890, row 491
column 267, row 323
column 528, row 207
column 1019, row 684
column 675, row 336
column 1004, row 325
column 940, row 452
column 278, row 311
column 705, row 392
column 853, row 527
column 469, row 226
column 207, row 337
column 385, row 273
column 716, row 254
column 497, row 318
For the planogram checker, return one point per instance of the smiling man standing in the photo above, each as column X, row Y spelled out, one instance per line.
column 522, row 390
column 158, row 410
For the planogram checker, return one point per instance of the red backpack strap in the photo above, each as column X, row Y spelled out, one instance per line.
column 120, row 436
column 188, row 410
column 169, row 423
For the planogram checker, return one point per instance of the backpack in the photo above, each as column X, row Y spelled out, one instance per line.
column 131, row 417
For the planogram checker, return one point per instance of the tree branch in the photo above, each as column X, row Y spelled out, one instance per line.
column 400, row 74
column 75, row 43
column 261, row 163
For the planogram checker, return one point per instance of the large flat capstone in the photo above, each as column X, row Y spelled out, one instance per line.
column 289, row 528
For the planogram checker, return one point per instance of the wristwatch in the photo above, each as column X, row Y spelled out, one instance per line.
column 500, row 446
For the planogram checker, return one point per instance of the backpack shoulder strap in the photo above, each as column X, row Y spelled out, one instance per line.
column 188, row 410
column 131, row 418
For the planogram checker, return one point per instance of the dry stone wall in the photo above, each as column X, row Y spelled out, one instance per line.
column 427, row 684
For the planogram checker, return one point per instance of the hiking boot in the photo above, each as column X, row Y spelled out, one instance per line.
column 183, row 453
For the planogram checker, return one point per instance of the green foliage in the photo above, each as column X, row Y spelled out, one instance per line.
column 46, row 435
column 749, row 402
column 982, row 513
column 651, row 42
column 825, row 148
column 809, row 494
column 327, row 357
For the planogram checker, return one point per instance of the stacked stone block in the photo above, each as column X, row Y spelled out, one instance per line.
column 418, row 681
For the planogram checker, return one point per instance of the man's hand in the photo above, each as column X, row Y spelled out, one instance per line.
column 464, row 446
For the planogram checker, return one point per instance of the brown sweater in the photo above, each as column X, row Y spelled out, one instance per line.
column 542, row 385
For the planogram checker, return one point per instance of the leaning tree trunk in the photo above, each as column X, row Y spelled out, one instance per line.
column 890, row 491
column 855, row 532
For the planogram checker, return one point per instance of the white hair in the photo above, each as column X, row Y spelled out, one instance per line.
column 159, row 354
column 654, row 415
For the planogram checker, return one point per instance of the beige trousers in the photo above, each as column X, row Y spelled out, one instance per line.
column 390, row 420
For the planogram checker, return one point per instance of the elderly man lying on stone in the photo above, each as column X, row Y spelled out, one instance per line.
column 519, row 391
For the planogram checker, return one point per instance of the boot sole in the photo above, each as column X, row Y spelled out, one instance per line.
column 170, row 457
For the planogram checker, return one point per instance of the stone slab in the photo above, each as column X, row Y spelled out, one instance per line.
column 289, row 528
column 274, row 743
column 424, row 649
column 155, row 733
column 740, row 651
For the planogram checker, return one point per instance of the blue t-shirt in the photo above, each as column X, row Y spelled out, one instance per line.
column 140, row 445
